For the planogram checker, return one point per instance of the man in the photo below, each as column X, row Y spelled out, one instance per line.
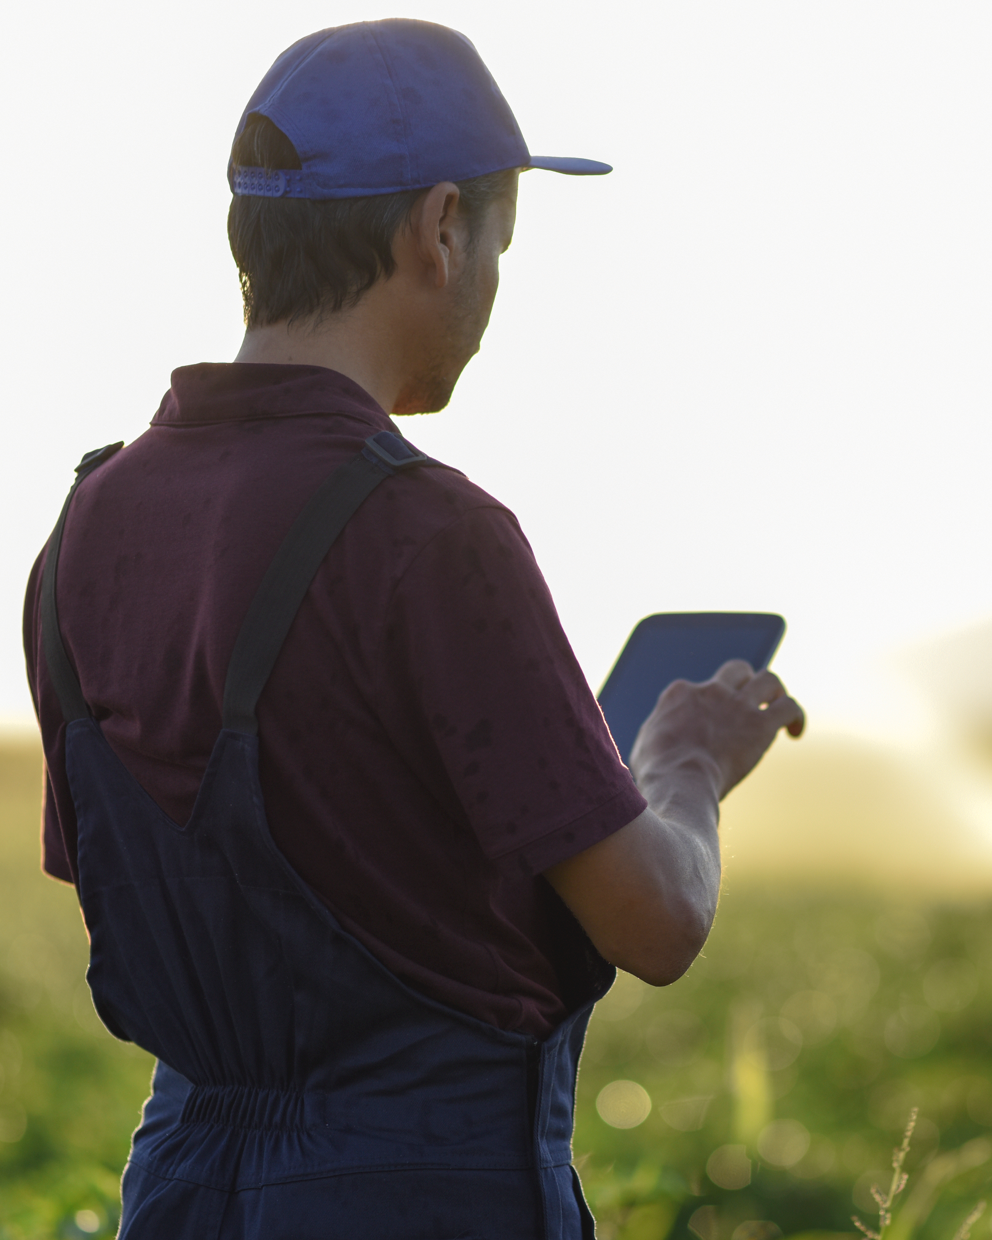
column 352, row 841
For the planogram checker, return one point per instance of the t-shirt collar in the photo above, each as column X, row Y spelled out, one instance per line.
column 214, row 392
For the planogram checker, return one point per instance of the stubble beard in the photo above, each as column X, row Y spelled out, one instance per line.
column 430, row 389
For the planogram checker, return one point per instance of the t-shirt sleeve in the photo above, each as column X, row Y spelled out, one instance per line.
column 479, row 685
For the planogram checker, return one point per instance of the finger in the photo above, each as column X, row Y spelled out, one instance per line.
column 764, row 688
column 735, row 673
column 785, row 712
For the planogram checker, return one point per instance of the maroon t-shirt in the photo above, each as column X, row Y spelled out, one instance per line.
column 428, row 742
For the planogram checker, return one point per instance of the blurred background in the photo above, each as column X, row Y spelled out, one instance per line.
column 750, row 370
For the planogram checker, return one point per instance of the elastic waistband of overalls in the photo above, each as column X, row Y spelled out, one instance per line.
column 237, row 1136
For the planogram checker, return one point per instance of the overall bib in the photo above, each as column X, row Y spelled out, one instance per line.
column 302, row 1091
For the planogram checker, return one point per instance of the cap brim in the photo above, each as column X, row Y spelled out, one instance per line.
column 572, row 167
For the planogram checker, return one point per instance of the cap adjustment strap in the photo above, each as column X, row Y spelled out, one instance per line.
column 269, row 183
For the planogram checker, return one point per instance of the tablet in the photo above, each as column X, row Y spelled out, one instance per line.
column 689, row 645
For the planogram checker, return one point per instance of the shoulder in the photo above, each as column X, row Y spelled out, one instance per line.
column 435, row 511
column 443, row 494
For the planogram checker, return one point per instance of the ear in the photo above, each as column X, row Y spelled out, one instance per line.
column 439, row 232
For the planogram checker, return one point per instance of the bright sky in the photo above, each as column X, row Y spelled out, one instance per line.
column 749, row 370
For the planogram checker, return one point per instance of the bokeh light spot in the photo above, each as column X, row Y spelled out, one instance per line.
column 686, row 1114
column 819, row 1159
column 778, row 1040
column 783, row 1142
column 88, row 1221
column 729, row 1167
column 912, row 1031
column 623, row 998
column 862, row 1194
column 813, row 1012
column 623, row 1104
column 705, row 1223
column 756, row 1229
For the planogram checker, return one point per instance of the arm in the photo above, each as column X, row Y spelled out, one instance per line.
column 647, row 894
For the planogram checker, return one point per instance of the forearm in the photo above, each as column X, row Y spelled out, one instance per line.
column 684, row 789
column 681, row 860
column 685, row 842
column 647, row 894
column 654, row 884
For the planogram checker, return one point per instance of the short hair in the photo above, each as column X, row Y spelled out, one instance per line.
column 299, row 257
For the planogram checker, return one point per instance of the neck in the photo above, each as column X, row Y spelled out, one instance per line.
column 348, row 342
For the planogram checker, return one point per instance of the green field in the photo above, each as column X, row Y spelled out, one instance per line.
column 762, row 1094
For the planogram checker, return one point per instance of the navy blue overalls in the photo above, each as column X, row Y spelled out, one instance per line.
column 302, row 1091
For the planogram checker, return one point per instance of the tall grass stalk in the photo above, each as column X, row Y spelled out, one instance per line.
column 897, row 1184
column 921, row 1200
column 964, row 1231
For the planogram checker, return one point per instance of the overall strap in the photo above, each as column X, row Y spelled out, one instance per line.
column 288, row 577
column 64, row 680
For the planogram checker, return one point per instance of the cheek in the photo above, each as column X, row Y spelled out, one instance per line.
column 488, row 286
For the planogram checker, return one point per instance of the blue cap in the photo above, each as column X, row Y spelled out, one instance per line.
column 381, row 107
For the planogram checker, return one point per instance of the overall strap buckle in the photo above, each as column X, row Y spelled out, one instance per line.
column 92, row 459
column 391, row 452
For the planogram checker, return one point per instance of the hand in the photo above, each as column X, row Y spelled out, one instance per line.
column 724, row 725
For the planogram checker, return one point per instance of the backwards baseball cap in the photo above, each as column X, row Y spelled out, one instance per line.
column 381, row 107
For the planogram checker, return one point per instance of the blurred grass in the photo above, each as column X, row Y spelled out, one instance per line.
column 782, row 1068
column 70, row 1095
column 765, row 1090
